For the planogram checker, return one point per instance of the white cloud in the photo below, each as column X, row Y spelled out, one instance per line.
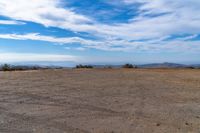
column 180, row 17
column 46, row 12
column 38, row 37
column 68, row 48
column 112, row 44
column 51, row 13
column 31, row 57
column 187, row 37
column 11, row 22
column 77, row 48
column 80, row 49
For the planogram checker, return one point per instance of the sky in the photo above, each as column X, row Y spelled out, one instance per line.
column 100, row 31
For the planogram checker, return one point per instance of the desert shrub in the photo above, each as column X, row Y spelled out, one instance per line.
column 129, row 66
column 108, row 67
column 190, row 67
column 6, row 67
column 79, row 66
column 84, row 66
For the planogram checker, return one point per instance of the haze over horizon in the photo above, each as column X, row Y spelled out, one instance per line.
column 100, row 31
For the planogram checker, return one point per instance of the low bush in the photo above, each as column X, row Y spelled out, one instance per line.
column 84, row 66
column 6, row 67
column 129, row 66
column 108, row 67
column 190, row 67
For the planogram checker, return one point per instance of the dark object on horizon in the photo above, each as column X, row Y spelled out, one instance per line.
column 190, row 67
column 108, row 67
column 84, row 66
column 163, row 65
column 168, row 65
column 6, row 67
column 129, row 66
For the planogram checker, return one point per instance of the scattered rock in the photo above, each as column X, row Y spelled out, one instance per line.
column 158, row 124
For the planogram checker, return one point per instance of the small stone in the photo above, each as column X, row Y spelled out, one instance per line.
column 158, row 124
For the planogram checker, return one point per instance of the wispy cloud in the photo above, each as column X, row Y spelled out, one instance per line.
column 112, row 44
column 154, row 20
column 46, row 12
column 32, row 57
column 38, row 37
column 11, row 22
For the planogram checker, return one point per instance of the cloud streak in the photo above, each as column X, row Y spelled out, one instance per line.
column 46, row 12
column 38, row 37
column 31, row 57
column 160, row 44
column 147, row 30
column 11, row 22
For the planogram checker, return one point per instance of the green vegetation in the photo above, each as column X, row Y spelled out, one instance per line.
column 108, row 67
column 6, row 67
column 84, row 66
column 129, row 66
column 191, row 67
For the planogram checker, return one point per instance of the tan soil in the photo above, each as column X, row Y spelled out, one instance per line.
column 100, row 101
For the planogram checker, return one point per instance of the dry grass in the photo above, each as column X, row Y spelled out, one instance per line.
column 100, row 101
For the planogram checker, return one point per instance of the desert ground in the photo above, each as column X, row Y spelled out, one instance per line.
column 100, row 101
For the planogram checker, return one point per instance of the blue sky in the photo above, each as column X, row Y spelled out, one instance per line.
column 100, row 31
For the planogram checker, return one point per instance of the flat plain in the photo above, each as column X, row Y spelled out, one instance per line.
column 100, row 101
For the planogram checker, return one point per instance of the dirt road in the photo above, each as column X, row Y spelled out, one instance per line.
column 100, row 101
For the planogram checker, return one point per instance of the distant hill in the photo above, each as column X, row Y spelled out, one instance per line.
column 153, row 65
column 59, row 65
column 46, row 64
column 163, row 65
column 168, row 65
column 196, row 65
column 107, row 66
column 8, row 67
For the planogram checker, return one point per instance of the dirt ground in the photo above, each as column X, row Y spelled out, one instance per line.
column 100, row 101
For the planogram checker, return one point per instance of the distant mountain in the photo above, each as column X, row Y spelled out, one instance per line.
column 44, row 64
column 152, row 65
column 49, row 65
column 196, row 65
column 163, row 65
column 107, row 66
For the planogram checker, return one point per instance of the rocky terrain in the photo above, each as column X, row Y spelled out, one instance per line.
column 100, row 101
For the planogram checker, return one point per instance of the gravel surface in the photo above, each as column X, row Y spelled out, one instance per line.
column 100, row 101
